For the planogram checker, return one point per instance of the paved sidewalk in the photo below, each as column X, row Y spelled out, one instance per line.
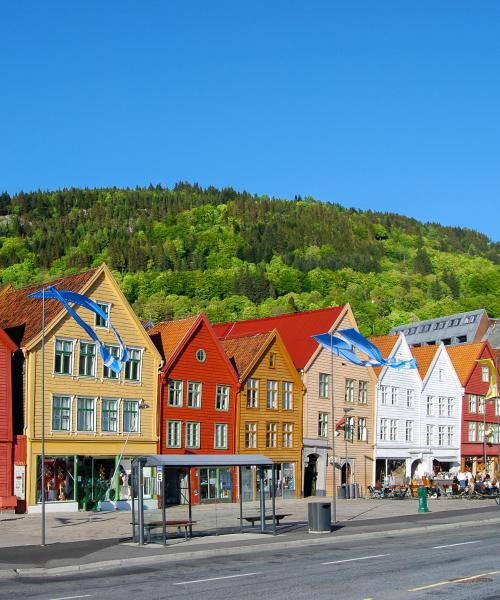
column 22, row 530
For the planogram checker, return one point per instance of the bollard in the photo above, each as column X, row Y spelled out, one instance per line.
column 422, row 499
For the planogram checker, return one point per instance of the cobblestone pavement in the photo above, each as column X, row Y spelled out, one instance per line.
column 21, row 530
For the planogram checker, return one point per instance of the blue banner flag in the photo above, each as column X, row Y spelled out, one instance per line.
column 65, row 297
column 349, row 340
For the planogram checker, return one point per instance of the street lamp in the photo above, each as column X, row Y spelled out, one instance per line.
column 346, row 411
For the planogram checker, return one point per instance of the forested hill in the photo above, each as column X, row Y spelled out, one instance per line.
column 236, row 255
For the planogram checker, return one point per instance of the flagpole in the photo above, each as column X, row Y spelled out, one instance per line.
column 334, row 495
column 43, row 419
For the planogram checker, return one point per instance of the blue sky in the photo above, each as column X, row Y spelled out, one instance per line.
column 386, row 105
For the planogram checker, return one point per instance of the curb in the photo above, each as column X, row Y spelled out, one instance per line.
column 230, row 551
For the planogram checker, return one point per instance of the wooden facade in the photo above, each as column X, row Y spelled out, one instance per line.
column 7, row 498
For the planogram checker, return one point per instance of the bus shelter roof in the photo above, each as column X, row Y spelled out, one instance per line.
column 203, row 460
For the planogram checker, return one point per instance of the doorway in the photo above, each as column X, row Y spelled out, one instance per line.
column 346, row 473
column 311, row 476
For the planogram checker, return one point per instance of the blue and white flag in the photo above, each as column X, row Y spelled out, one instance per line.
column 65, row 297
column 351, row 339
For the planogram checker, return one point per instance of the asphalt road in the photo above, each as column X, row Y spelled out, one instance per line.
column 459, row 563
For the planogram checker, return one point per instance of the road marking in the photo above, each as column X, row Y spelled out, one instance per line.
column 459, row 544
column 448, row 582
column 216, row 578
column 73, row 597
column 336, row 562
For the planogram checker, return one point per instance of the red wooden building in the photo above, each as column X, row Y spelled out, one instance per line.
column 7, row 498
column 197, row 407
column 480, row 417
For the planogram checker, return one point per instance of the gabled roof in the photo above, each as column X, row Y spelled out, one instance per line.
column 385, row 343
column 296, row 330
column 424, row 356
column 168, row 335
column 464, row 359
column 243, row 350
column 22, row 316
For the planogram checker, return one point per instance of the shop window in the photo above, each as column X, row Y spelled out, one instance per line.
column 222, row 397
column 216, row 485
column 63, row 360
column 194, row 394
column 133, row 365
column 108, row 373
column 87, row 360
column 59, row 480
column 85, row 416
column 131, row 416
column 109, row 415
column 61, row 413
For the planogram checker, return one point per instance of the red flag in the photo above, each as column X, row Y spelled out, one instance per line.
column 340, row 424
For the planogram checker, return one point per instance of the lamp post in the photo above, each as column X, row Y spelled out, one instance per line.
column 42, row 482
column 346, row 411
column 334, row 481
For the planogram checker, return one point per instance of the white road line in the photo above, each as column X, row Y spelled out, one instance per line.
column 73, row 597
column 448, row 582
column 459, row 544
column 336, row 562
column 216, row 578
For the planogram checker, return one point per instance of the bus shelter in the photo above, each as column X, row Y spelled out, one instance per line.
column 162, row 462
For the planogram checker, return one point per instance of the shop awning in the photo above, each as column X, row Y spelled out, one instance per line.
column 204, row 460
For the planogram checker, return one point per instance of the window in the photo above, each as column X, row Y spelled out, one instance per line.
column 323, row 424
column 441, row 325
column 222, row 397
column 409, row 398
column 63, row 362
column 131, row 416
column 324, row 385
column 174, row 434
column 175, row 392
column 441, row 434
column 497, row 407
column 220, row 436
column 442, row 406
column 61, row 413
column 85, row 414
column 472, row 403
column 107, row 373
column 201, row 355
column 409, row 431
column 272, row 360
column 271, row 430
column 349, row 390
column 194, row 394
column 485, row 374
column 272, row 393
column 451, row 435
column 461, row 339
column 109, row 415
column 99, row 321
column 287, row 395
column 362, row 429
column 430, row 406
column 363, row 392
column 384, row 391
column 133, row 365
column 480, row 432
column 383, row 429
column 472, row 431
column 287, row 430
column 393, row 430
column 441, row 374
column 429, row 435
column 451, row 407
column 86, row 361
column 349, row 429
column 250, row 435
column 480, row 405
column 192, row 435
column 394, row 396
column 252, row 393
column 446, row 341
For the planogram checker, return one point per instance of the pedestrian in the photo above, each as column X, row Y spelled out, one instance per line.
column 462, row 480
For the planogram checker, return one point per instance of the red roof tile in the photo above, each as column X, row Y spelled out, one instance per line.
column 463, row 357
column 242, row 350
column 167, row 335
column 424, row 356
column 22, row 316
column 295, row 329
column 385, row 343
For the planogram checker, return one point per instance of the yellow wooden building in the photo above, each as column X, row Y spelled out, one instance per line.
column 269, row 410
column 95, row 420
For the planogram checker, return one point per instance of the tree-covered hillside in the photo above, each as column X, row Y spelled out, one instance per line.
column 236, row 255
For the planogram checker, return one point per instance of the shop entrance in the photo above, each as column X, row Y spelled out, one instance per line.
column 311, row 476
column 215, row 485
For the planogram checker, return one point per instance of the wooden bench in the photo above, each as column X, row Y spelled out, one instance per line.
column 177, row 523
column 278, row 518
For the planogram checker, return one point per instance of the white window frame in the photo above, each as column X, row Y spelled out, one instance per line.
column 88, row 343
column 104, row 367
column 138, row 424
column 394, row 396
column 271, row 434
column 252, row 392
column 442, row 405
column 450, row 434
column 349, row 426
column 179, row 393
column 222, row 391
column 473, row 403
column 393, row 430
column 430, row 406
column 139, row 377
column 362, row 429
column 472, row 428
column 101, row 304
column 409, row 398
column 196, row 426
column 52, row 430
column 198, row 394
column 481, row 405
column 350, row 390
column 272, row 394
column 287, row 435
column 287, row 395
column 384, row 430
column 429, row 435
column 485, row 374
column 362, row 392
column 384, row 394
column 110, row 399
column 323, row 385
column 323, row 421
column 441, row 435
column 94, row 416
column 409, row 431
column 251, row 434
column 218, row 427
column 72, row 360
column 451, row 407
column 178, row 436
